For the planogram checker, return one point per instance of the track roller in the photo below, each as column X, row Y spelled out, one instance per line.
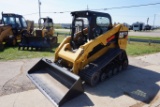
column 125, row 64
column 103, row 75
column 94, row 80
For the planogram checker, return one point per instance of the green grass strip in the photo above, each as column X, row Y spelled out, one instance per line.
column 145, row 37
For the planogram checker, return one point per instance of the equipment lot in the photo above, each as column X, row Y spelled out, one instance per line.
column 138, row 86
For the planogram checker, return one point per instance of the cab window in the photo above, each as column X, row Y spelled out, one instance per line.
column 9, row 20
column 103, row 21
column 18, row 23
column 23, row 22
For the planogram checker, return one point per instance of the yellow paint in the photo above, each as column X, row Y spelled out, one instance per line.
column 79, row 58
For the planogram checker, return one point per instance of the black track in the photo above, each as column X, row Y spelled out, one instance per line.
column 96, row 67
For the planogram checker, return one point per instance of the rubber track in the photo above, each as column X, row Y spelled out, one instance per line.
column 100, row 63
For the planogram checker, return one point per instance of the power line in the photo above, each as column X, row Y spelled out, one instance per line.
column 131, row 6
column 111, row 8
column 31, row 14
column 46, row 12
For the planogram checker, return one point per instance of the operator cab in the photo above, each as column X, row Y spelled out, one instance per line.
column 87, row 25
column 46, row 27
column 17, row 22
column 47, row 23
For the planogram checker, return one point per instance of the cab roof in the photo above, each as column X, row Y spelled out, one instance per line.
column 11, row 14
column 86, row 13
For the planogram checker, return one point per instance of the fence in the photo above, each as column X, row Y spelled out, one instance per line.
column 144, row 40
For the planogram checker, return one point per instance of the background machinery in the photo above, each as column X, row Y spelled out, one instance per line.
column 40, row 38
column 94, row 51
column 12, row 27
column 138, row 26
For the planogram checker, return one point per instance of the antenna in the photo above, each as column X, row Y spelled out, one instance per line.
column 87, row 7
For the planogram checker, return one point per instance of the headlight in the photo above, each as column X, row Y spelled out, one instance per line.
column 10, row 36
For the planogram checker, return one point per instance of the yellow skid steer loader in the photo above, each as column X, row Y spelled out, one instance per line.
column 94, row 51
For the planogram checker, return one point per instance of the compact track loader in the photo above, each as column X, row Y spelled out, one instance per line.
column 12, row 27
column 94, row 51
column 41, row 38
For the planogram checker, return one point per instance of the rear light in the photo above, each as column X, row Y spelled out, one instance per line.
column 123, row 34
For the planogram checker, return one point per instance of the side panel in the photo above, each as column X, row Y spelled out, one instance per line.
column 5, row 32
column 108, row 40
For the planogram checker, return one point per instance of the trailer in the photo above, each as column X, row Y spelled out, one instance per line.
column 138, row 26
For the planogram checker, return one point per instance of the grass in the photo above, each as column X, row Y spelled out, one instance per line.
column 57, row 26
column 12, row 53
column 139, row 48
column 133, row 49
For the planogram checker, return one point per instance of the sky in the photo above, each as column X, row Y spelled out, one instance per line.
column 127, row 15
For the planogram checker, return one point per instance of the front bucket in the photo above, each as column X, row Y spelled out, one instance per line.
column 56, row 83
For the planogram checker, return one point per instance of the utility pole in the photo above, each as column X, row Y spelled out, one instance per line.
column 154, row 20
column 39, row 6
column 147, row 20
